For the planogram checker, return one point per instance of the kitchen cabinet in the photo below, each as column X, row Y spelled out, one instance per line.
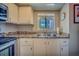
column 42, row 47
column 20, row 14
column 39, row 47
column 26, row 51
column 25, row 15
column 49, row 47
column 64, row 47
column 53, row 47
column 26, row 47
column 12, row 13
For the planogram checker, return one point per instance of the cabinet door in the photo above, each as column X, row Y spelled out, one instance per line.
column 64, row 47
column 25, row 15
column 26, row 46
column 12, row 13
column 53, row 47
column 30, row 15
column 26, row 50
column 39, row 47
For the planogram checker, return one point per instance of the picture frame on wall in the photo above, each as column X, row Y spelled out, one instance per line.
column 76, row 13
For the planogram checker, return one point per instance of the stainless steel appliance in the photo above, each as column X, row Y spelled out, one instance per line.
column 3, row 12
column 7, row 46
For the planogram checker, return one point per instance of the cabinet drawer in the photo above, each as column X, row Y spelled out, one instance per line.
column 24, row 41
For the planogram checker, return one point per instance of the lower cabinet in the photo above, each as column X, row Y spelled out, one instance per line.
column 42, row 47
column 39, row 47
column 64, row 47
column 26, row 51
column 46, row 47
column 25, row 47
column 53, row 47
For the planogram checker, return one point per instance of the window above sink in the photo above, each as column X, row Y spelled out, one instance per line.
column 47, row 22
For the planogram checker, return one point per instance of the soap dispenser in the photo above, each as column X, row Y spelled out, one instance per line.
column 57, row 30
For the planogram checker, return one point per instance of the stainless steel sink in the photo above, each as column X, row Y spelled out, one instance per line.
column 46, row 35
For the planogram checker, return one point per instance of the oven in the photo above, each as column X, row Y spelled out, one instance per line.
column 7, row 46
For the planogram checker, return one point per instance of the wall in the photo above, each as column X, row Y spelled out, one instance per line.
column 65, row 22
column 74, row 33
column 2, row 28
column 69, row 26
column 57, row 18
column 74, row 30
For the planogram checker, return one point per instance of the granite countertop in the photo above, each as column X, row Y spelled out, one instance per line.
column 46, row 37
column 34, row 35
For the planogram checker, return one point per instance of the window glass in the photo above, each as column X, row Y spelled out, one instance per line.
column 42, row 22
column 47, row 22
column 50, row 22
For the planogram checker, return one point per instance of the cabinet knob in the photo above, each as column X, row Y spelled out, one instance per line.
column 31, row 48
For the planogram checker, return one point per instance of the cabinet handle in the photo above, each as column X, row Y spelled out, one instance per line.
column 31, row 48
column 61, row 49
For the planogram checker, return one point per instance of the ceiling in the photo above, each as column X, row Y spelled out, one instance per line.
column 44, row 6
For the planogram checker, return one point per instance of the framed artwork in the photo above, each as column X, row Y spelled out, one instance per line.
column 76, row 13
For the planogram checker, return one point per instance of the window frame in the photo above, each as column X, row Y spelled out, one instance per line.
column 48, row 14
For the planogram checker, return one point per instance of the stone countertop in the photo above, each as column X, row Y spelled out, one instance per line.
column 38, row 37
column 34, row 35
column 46, row 37
column 29, row 36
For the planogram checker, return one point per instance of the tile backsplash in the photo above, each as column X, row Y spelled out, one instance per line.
column 24, row 28
column 2, row 28
column 14, row 28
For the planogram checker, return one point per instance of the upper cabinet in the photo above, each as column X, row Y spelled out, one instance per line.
column 25, row 15
column 20, row 14
column 12, row 13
